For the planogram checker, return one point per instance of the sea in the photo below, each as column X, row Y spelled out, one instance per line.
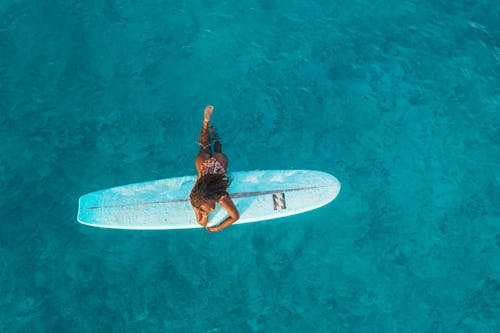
column 400, row 100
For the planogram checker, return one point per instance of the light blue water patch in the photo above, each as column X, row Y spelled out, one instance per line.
column 399, row 100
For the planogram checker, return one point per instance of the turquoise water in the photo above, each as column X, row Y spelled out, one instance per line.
column 399, row 100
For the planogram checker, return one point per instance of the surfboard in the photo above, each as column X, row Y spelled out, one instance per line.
column 164, row 204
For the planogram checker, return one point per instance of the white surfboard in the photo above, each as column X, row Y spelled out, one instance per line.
column 164, row 204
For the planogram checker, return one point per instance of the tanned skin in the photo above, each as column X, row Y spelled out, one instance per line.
column 201, row 213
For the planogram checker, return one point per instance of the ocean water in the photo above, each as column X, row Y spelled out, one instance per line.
column 400, row 100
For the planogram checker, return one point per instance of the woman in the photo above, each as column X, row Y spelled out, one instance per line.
column 212, row 183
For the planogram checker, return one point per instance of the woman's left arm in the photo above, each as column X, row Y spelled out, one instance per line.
column 231, row 209
column 201, row 218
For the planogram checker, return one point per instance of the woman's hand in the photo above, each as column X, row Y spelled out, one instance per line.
column 213, row 229
column 204, row 220
column 201, row 217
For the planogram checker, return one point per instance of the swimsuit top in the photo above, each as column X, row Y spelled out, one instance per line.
column 212, row 167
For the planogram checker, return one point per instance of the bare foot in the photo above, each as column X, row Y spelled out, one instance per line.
column 208, row 112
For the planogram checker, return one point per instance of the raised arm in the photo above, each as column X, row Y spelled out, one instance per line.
column 231, row 209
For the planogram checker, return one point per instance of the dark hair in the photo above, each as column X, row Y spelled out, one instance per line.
column 209, row 187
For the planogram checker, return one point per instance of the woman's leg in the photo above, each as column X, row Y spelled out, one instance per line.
column 215, row 140
column 204, row 139
column 217, row 153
